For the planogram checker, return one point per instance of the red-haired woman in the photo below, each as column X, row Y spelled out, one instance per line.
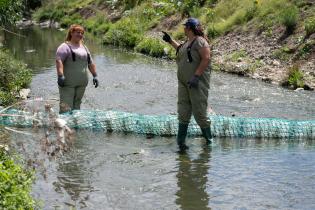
column 73, row 60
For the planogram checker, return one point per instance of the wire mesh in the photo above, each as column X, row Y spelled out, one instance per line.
column 164, row 125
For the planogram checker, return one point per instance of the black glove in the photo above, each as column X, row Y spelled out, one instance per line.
column 61, row 80
column 166, row 37
column 193, row 82
column 95, row 82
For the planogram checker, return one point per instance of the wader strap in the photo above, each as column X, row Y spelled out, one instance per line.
column 72, row 53
column 87, row 52
column 190, row 59
column 89, row 60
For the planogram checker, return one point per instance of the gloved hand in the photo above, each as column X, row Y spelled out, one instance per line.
column 193, row 82
column 95, row 82
column 61, row 80
column 166, row 37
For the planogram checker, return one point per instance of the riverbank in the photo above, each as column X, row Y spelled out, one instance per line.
column 15, row 180
column 14, row 76
column 268, row 40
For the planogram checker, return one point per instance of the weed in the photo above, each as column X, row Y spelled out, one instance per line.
column 295, row 77
column 289, row 18
column 238, row 54
column 309, row 26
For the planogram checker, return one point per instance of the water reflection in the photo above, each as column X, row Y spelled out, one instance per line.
column 34, row 46
column 192, row 180
column 74, row 176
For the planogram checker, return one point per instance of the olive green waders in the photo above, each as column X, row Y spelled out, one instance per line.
column 76, row 80
column 192, row 101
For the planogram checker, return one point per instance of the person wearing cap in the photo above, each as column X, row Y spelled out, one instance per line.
column 73, row 60
column 193, row 73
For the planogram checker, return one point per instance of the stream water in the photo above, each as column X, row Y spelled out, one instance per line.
column 119, row 171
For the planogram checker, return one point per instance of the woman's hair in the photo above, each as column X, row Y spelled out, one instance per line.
column 198, row 31
column 74, row 27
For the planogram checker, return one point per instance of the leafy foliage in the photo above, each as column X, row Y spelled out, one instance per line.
column 14, row 75
column 125, row 32
column 10, row 11
column 15, row 183
column 155, row 48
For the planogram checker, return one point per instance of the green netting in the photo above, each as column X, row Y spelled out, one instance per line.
column 164, row 125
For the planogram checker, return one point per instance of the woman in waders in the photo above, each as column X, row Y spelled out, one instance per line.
column 72, row 61
column 193, row 62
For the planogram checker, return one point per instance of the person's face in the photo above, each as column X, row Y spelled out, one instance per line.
column 186, row 30
column 77, row 35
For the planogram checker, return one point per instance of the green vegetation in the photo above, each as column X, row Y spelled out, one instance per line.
column 309, row 26
column 125, row 23
column 283, row 53
column 124, row 33
column 306, row 49
column 155, row 47
column 289, row 18
column 10, row 11
column 235, row 56
column 295, row 77
column 15, row 183
column 14, row 75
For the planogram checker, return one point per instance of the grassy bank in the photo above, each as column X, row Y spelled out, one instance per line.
column 14, row 75
column 137, row 24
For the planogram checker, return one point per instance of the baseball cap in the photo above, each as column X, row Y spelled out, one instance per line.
column 191, row 22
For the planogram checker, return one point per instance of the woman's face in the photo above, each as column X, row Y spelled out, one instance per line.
column 186, row 30
column 77, row 35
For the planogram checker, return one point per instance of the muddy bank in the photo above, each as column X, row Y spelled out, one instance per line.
column 263, row 57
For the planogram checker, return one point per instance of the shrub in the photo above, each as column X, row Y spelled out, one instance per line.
column 154, row 47
column 10, row 11
column 289, row 18
column 69, row 20
column 295, row 77
column 14, row 75
column 15, row 183
column 126, row 33
column 309, row 26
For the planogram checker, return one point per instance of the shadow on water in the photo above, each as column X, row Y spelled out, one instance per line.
column 192, row 180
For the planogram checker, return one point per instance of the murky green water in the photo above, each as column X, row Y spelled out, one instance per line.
column 118, row 171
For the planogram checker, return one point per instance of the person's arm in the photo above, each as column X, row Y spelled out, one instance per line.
column 167, row 38
column 59, row 67
column 61, row 55
column 174, row 44
column 205, row 59
column 92, row 69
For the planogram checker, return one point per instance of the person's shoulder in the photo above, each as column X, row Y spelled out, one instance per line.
column 201, row 39
column 202, row 42
column 63, row 46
